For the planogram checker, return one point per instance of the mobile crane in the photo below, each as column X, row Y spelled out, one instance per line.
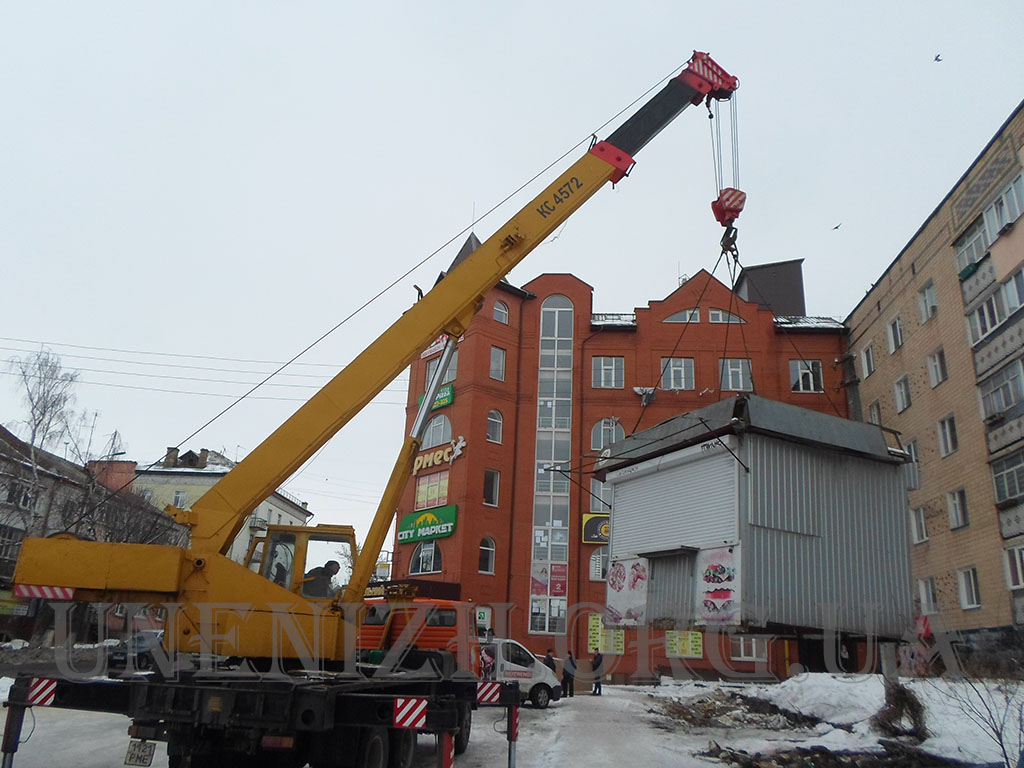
column 328, row 713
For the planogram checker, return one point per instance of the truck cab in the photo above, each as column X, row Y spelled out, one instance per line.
column 507, row 661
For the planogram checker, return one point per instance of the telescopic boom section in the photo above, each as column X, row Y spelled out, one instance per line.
column 219, row 515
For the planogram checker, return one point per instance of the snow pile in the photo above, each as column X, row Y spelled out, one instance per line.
column 14, row 645
column 837, row 699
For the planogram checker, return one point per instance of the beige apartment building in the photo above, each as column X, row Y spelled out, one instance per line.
column 935, row 353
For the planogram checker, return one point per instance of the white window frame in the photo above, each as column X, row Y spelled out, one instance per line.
column 928, row 595
column 867, row 360
column 967, row 586
column 609, row 371
column 486, row 546
column 425, row 482
column 748, row 648
column 805, row 376
column 684, row 316
column 971, row 245
column 501, row 312
column 947, row 438
column 450, row 372
column 599, row 564
column 1003, row 389
column 1008, row 476
column 894, row 334
column 937, row 370
column 418, row 555
column 492, row 477
column 495, row 426
column 180, row 497
column 1015, row 567
column 497, row 371
column 736, row 374
column 901, row 393
column 875, row 413
column 956, row 507
column 1005, row 209
column 918, row 526
column 677, row 373
column 605, row 433
column 600, row 496
column 722, row 316
column 438, row 432
column 926, row 302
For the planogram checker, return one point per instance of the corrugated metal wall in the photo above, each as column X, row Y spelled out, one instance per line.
column 824, row 540
column 671, row 587
column 688, row 504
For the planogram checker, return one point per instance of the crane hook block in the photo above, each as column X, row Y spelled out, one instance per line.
column 728, row 206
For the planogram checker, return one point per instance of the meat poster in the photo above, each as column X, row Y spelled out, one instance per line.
column 718, row 586
column 626, row 601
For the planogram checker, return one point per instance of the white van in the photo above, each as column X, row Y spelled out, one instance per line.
column 508, row 661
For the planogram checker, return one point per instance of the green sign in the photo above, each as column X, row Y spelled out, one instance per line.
column 427, row 524
column 445, row 396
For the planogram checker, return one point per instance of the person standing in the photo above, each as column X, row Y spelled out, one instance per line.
column 569, row 676
column 597, row 664
column 549, row 661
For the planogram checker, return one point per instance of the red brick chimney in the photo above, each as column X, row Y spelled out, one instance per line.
column 114, row 475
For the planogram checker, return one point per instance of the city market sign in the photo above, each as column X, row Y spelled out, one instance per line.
column 429, row 524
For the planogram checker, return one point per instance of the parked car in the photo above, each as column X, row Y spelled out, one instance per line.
column 139, row 648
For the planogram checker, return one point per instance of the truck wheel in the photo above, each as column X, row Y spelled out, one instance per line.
column 373, row 748
column 402, row 748
column 465, row 726
column 540, row 696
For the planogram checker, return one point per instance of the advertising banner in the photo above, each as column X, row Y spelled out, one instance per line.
column 559, row 579
column 428, row 524
column 718, row 586
column 596, row 528
column 539, row 578
column 684, row 645
column 626, row 593
column 607, row 641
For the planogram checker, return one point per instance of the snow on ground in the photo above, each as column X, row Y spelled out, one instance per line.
column 625, row 726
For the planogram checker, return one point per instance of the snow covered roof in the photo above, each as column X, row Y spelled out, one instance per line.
column 800, row 322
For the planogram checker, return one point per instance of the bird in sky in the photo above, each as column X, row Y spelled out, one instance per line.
column 837, row 226
column 938, row 57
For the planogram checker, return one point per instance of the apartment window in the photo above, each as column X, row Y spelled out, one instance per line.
column 736, row 375
column 438, row 432
column 431, row 490
column 918, row 527
column 1008, row 475
column 501, row 312
column 426, row 558
column 449, row 374
column 179, row 499
column 894, row 331
column 491, row 480
column 987, row 317
column 599, row 564
column 1002, row 390
column 677, row 373
column 498, row 363
column 970, row 247
column 147, row 495
column 937, row 372
column 609, row 372
column 970, row 596
column 926, row 302
column 913, row 451
column 600, row 496
column 875, row 412
column 685, row 316
column 748, row 648
column 867, row 360
column 901, row 391
column 947, row 436
column 486, row 556
column 721, row 316
column 494, row 425
column 606, row 432
column 928, row 596
column 956, row 505
column 805, row 376
column 1004, row 209
column 1015, row 567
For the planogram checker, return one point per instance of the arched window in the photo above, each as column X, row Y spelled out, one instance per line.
column 599, row 564
column 426, row 558
column 486, row 556
column 493, row 427
column 501, row 312
column 685, row 316
column 606, row 432
column 721, row 316
column 439, row 432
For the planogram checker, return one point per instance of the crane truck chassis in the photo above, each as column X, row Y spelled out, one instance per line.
column 337, row 713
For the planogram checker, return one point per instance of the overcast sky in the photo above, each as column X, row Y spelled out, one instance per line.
column 184, row 186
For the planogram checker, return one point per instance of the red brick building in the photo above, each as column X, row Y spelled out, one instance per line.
column 540, row 386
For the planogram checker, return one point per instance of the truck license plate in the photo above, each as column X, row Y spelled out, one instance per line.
column 140, row 753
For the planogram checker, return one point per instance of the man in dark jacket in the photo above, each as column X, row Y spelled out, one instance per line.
column 549, row 661
column 596, row 664
column 569, row 676
column 318, row 580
